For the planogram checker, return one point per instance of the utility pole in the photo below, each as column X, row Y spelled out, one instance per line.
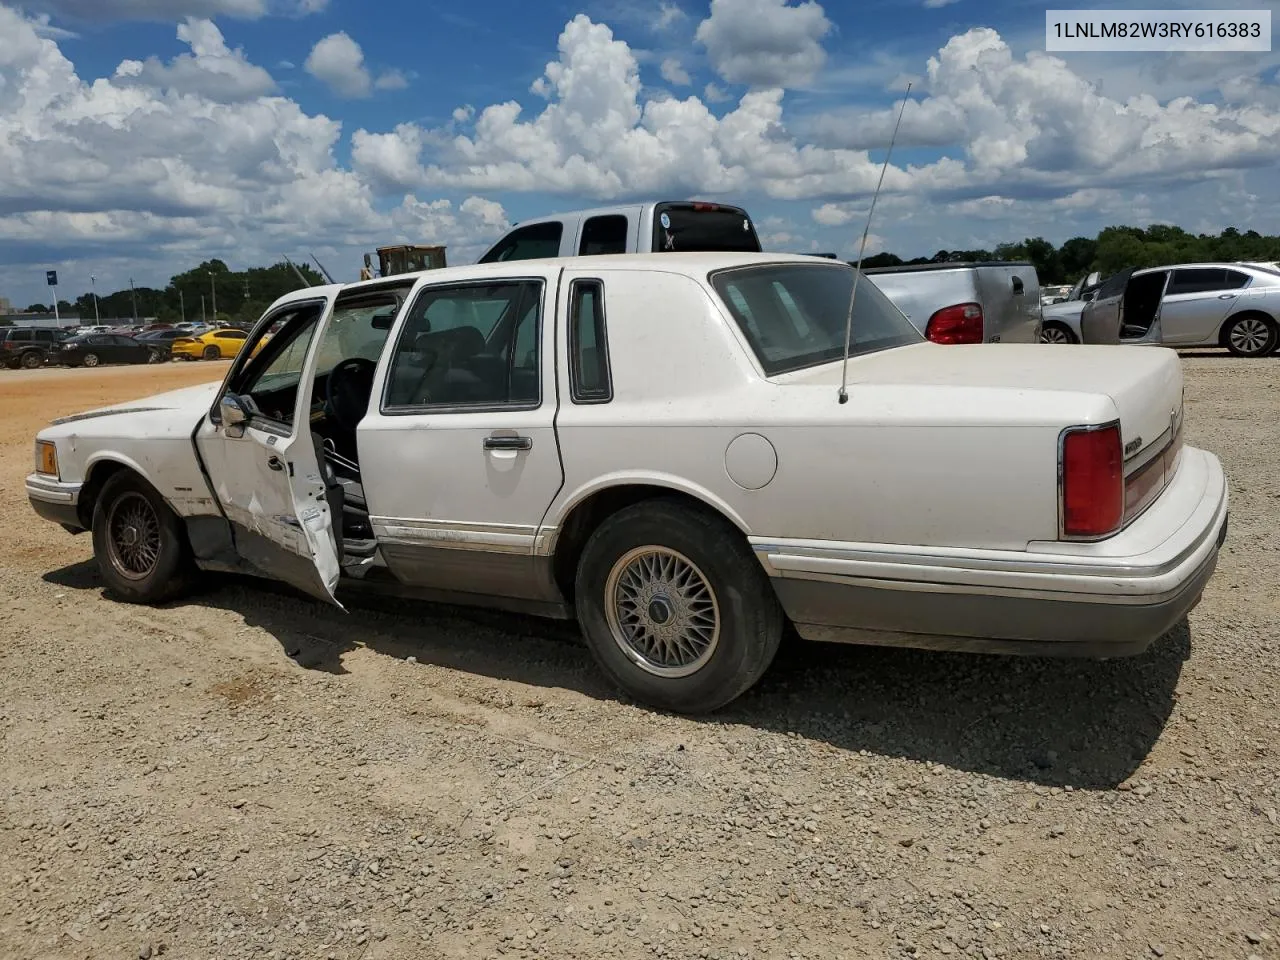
column 93, row 282
column 134, row 297
column 213, row 285
column 202, row 317
column 182, row 305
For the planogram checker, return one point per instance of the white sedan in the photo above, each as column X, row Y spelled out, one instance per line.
column 656, row 445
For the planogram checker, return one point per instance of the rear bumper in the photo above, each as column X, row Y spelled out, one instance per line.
column 54, row 500
column 1112, row 598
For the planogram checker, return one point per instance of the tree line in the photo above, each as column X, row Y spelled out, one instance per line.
column 241, row 296
column 1114, row 248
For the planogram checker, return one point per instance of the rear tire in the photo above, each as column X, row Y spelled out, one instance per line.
column 1251, row 335
column 212, row 353
column 139, row 543
column 1057, row 333
column 31, row 360
column 675, row 608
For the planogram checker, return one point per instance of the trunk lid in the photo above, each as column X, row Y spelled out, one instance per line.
column 1144, row 383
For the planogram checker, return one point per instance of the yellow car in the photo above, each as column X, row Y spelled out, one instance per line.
column 215, row 345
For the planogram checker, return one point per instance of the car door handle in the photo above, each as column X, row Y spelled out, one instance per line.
column 508, row 443
column 275, row 463
column 1226, row 296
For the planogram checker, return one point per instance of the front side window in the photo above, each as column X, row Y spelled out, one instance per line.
column 534, row 242
column 793, row 315
column 270, row 380
column 472, row 345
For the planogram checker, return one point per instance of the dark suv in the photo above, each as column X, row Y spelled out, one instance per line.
column 28, row 346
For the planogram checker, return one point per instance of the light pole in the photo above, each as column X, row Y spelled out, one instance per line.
column 203, row 321
column 182, row 305
column 134, row 297
column 213, row 286
column 93, row 282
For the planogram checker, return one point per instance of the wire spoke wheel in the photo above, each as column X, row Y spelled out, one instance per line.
column 662, row 611
column 1250, row 335
column 133, row 536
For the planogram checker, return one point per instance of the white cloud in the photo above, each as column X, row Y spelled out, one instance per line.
column 392, row 80
column 713, row 94
column 120, row 175
column 338, row 62
column 766, row 43
column 211, row 70
column 668, row 15
column 832, row 214
column 674, row 73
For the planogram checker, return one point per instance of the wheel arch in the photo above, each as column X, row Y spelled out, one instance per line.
column 1247, row 312
column 584, row 513
column 100, row 468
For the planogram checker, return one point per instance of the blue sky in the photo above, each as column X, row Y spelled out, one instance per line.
column 140, row 136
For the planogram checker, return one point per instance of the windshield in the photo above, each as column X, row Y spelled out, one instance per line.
column 794, row 314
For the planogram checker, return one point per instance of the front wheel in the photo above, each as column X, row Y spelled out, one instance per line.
column 31, row 360
column 1251, row 335
column 675, row 608
column 91, row 360
column 139, row 543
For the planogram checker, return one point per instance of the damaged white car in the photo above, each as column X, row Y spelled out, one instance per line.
column 654, row 444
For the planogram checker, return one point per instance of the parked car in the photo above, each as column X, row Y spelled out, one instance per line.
column 996, row 302
column 162, row 340
column 28, row 347
column 1188, row 305
column 1060, row 322
column 215, row 345
column 656, row 445
column 668, row 226
column 94, row 349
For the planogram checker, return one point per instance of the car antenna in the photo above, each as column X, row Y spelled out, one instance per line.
column 326, row 273
column 301, row 276
column 857, row 273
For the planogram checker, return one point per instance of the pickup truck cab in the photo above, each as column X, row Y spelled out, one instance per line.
column 670, row 226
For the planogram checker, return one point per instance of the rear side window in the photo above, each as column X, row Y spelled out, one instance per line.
column 1199, row 280
column 606, row 234
column 685, row 227
column 589, row 380
column 534, row 242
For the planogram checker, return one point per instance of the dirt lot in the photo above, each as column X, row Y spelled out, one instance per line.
column 250, row 774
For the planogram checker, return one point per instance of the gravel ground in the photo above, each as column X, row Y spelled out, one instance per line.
column 249, row 774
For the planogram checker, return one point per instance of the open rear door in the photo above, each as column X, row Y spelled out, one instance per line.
column 260, row 456
column 1102, row 317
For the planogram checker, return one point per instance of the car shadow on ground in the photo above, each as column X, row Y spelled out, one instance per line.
column 1087, row 724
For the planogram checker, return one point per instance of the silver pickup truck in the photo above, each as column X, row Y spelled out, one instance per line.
column 663, row 227
column 995, row 302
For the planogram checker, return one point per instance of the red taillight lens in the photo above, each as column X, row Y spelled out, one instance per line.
column 961, row 323
column 1092, row 482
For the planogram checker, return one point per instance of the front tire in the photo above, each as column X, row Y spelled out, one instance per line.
column 675, row 608
column 139, row 543
column 1250, row 335
column 32, row 360
column 91, row 360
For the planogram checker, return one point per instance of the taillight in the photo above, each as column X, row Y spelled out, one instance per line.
column 1092, row 481
column 960, row 323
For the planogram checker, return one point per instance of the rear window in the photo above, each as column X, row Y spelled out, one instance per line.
column 686, row 227
column 794, row 315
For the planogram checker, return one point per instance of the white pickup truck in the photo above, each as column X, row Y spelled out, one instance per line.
column 668, row 226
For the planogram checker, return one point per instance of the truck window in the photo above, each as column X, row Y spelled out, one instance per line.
column 534, row 242
column 605, row 234
column 685, row 227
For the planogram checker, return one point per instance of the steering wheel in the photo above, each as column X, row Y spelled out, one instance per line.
column 346, row 395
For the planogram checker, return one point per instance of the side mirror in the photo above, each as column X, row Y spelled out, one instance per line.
column 234, row 414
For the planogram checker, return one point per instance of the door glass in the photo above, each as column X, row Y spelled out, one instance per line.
column 588, row 349
column 469, row 345
column 1197, row 280
column 1234, row 280
column 533, row 242
column 607, row 234
column 270, row 380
